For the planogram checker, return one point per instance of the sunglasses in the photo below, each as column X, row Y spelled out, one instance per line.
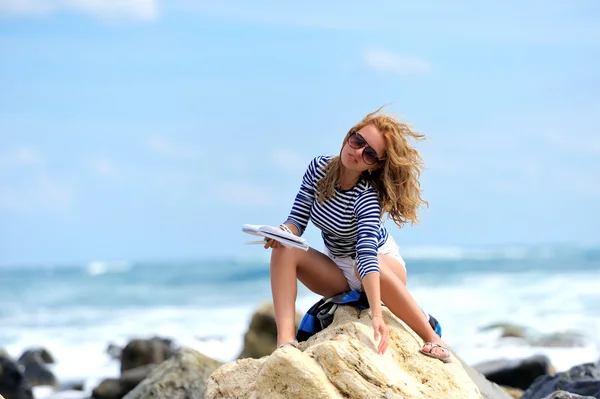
column 369, row 155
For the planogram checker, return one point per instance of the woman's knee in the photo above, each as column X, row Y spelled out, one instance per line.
column 391, row 268
column 285, row 255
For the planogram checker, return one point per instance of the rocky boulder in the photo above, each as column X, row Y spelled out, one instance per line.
column 13, row 384
column 140, row 352
column 342, row 362
column 35, row 370
column 516, row 373
column 583, row 380
column 261, row 337
column 184, row 375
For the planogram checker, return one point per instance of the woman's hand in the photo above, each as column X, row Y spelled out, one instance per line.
column 271, row 243
column 380, row 330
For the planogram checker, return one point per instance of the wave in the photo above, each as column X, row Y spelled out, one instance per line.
column 514, row 252
column 98, row 267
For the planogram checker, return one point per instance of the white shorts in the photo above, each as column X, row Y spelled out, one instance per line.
column 347, row 264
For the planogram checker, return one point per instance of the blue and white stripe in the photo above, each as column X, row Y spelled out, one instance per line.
column 349, row 221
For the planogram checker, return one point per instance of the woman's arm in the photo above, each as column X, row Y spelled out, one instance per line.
column 300, row 213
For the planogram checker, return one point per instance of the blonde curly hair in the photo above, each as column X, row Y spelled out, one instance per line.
column 397, row 178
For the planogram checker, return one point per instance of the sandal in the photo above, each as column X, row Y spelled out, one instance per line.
column 293, row 343
column 446, row 359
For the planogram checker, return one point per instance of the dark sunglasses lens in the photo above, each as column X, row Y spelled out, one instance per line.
column 356, row 141
column 369, row 156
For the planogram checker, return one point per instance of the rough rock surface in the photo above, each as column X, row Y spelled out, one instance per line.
column 13, row 384
column 183, row 375
column 583, row 380
column 342, row 362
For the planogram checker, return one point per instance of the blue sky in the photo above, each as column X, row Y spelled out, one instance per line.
column 153, row 130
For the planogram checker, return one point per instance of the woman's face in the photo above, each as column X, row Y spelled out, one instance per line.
column 369, row 140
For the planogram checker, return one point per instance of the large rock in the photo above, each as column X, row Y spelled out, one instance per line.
column 516, row 373
column 342, row 362
column 13, row 384
column 116, row 388
column 582, row 380
column 35, row 370
column 140, row 352
column 261, row 337
column 487, row 389
column 184, row 375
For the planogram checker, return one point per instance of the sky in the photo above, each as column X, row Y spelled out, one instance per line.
column 152, row 129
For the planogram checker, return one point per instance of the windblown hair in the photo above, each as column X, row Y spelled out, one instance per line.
column 397, row 178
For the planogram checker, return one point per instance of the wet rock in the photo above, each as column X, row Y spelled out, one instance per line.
column 567, row 339
column 13, row 384
column 109, row 388
column 581, row 380
column 40, row 355
column 516, row 373
column 140, row 352
column 507, row 329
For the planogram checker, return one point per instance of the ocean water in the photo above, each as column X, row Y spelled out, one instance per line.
column 76, row 311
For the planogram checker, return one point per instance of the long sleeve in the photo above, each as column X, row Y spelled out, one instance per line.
column 300, row 213
column 367, row 210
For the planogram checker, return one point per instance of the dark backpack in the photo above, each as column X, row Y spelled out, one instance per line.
column 320, row 315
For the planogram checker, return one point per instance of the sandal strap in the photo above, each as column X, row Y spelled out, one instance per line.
column 294, row 343
column 433, row 346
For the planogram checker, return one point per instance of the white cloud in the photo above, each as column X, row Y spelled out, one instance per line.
column 401, row 64
column 168, row 148
column 288, row 160
column 109, row 9
column 244, row 193
column 20, row 157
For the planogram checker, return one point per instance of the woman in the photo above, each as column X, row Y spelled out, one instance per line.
column 346, row 197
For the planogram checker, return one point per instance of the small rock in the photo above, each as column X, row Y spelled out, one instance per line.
column 41, row 355
column 109, row 388
column 508, row 329
column 114, row 351
column 516, row 373
column 582, row 380
column 567, row 395
column 261, row 337
column 140, row 352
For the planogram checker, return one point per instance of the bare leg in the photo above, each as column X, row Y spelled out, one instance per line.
column 398, row 299
column 314, row 269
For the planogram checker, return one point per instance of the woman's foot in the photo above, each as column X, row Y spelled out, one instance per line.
column 437, row 351
column 293, row 343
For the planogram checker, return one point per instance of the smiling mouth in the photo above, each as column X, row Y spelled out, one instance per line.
column 352, row 158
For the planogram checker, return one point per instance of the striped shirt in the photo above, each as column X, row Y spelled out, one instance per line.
column 349, row 221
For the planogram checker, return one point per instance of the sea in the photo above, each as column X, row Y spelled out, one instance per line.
column 76, row 310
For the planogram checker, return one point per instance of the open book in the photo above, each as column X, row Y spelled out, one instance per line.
column 275, row 233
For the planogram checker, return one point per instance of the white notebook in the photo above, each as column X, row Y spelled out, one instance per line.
column 275, row 233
